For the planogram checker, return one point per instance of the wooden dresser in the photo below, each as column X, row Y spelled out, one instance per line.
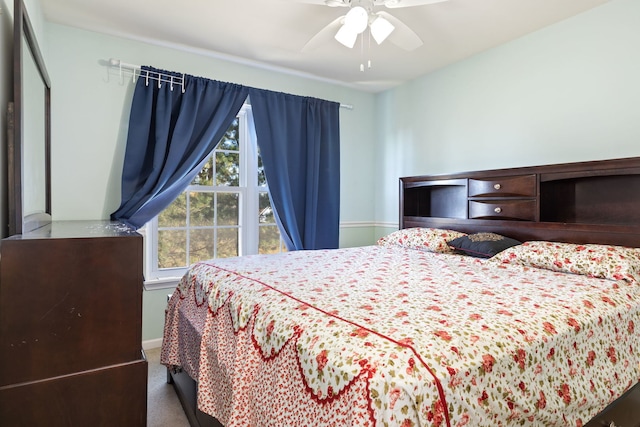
column 70, row 327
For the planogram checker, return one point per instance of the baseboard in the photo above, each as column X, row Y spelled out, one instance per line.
column 151, row 344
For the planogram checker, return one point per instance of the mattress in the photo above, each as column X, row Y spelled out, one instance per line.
column 390, row 336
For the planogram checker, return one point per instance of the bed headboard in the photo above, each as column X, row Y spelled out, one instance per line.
column 585, row 202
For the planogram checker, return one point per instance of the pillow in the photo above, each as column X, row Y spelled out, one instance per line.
column 603, row 261
column 426, row 239
column 482, row 245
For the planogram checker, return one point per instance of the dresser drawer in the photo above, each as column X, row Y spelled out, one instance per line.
column 524, row 210
column 508, row 186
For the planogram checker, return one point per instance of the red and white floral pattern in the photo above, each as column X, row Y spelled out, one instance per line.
column 387, row 336
column 424, row 239
column 604, row 261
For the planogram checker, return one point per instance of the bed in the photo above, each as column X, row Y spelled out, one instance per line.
column 532, row 320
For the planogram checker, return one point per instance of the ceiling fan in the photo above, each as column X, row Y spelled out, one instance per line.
column 361, row 16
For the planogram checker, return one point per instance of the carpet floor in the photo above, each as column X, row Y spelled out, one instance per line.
column 163, row 406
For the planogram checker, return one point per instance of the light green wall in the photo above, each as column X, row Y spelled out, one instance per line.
column 568, row 92
column 356, row 235
column 153, row 306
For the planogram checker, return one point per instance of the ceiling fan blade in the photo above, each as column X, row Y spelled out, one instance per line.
column 330, row 3
column 325, row 35
column 337, row 3
column 403, row 36
column 394, row 4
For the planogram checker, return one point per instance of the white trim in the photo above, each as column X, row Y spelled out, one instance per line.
column 387, row 225
column 161, row 283
column 357, row 224
column 362, row 224
column 151, row 344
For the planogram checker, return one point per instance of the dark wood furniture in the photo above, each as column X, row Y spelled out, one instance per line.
column 70, row 327
column 585, row 202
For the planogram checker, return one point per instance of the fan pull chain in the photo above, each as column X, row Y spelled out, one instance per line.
column 369, row 48
column 362, row 49
column 362, row 53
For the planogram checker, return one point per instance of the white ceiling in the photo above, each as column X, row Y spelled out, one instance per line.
column 272, row 33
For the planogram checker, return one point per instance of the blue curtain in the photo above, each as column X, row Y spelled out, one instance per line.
column 299, row 141
column 170, row 136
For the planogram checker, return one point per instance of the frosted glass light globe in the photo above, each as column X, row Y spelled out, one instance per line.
column 356, row 19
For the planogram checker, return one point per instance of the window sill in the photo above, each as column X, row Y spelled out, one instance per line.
column 163, row 283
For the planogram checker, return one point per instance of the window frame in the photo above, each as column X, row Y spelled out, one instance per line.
column 248, row 203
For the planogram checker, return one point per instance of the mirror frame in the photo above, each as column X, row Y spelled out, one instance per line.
column 18, row 222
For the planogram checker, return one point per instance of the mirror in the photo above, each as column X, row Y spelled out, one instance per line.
column 29, row 145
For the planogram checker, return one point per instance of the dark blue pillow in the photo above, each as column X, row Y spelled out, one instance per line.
column 482, row 245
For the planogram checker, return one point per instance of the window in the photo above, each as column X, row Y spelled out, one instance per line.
column 224, row 212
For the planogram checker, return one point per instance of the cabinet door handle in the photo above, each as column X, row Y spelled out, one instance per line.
column 498, row 209
column 497, row 186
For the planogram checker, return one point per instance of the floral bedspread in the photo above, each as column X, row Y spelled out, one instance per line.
column 386, row 336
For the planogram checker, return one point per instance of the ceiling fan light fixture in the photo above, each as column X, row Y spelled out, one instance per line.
column 381, row 29
column 357, row 19
column 346, row 36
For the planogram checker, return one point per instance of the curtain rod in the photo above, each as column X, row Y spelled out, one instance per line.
column 163, row 77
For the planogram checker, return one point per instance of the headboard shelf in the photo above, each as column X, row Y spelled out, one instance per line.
column 592, row 200
column 585, row 202
column 438, row 199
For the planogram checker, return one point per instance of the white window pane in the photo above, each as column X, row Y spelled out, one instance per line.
column 229, row 140
column 227, row 169
column 262, row 180
column 201, row 209
column 175, row 215
column 265, row 212
column 201, row 245
column 269, row 240
column 228, row 209
column 227, row 242
column 205, row 176
column 172, row 248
